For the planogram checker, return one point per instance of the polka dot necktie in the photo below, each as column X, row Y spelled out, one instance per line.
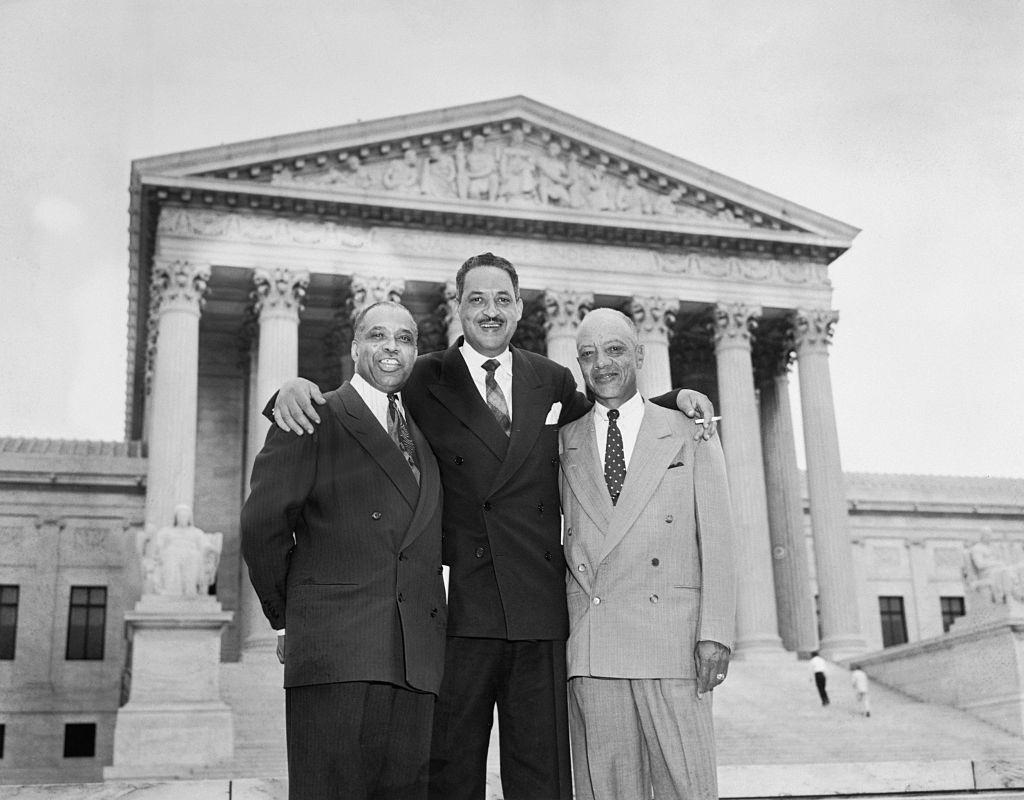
column 495, row 397
column 614, row 457
column 399, row 432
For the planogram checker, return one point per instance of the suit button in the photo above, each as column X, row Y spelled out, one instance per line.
column 401, row 556
column 375, row 515
column 654, row 562
column 569, row 531
column 547, row 556
column 582, row 568
column 669, row 519
column 654, row 598
column 554, row 461
column 401, row 597
column 487, row 505
column 459, row 460
column 596, row 601
column 540, row 508
column 479, row 552
column 433, row 612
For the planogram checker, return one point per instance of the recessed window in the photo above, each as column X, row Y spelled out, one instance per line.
column 3, row 731
column 87, row 622
column 894, row 620
column 8, row 621
column 952, row 610
column 80, row 740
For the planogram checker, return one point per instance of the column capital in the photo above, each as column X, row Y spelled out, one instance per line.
column 279, row 292
column 653, row 315
column 813, row 329
column 773, row 350
column 564, row 310
column 369, row 289
column 179, row 286
column 733, row 324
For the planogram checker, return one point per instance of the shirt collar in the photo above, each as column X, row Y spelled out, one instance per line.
column 366, row 390
column 475, row 360
column 632, row 408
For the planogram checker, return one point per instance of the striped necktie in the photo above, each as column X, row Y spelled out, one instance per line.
column 399, row 432
column 496, row 398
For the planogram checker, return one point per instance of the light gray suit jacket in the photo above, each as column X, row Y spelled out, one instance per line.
column 653, row 574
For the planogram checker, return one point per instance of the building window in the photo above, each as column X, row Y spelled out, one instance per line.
column 8, row 621
column 894, row 620
column 3, row 731
column 952, row 608
column 87, row 622
column 80, row 740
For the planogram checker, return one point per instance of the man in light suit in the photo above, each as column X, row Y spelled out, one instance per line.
column 342, row 536
column 651, row 590
column 491, row 413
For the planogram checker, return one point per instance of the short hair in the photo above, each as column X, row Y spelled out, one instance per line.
column 611, row 314
column 357, row 323
column 485, row 260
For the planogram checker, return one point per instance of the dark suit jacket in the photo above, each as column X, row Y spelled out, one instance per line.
column 359, row 587
column 502, row 526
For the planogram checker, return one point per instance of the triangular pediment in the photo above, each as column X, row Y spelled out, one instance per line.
column 509, row 158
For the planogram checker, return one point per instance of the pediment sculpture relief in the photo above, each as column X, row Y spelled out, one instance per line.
column 512, row 170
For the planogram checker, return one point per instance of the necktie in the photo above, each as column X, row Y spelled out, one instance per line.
column 614, row 457
column 495, row 397
column 399, row 432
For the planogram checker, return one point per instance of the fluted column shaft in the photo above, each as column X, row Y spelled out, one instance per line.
column 793, row 597
column 178, row 289
column 565, row 309
column 756, row 620
column 278, row 298
column 654, row 317
column 837, row 598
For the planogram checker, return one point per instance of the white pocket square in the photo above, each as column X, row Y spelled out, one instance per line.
column 554, row 414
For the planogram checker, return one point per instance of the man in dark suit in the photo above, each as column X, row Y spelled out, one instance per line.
column 342, row 536
column 491, row 414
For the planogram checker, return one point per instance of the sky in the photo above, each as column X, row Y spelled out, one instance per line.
column 903, row 118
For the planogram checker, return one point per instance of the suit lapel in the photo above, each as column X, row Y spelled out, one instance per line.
column 430, row 486
column 656, row 444
column 585, row 473
column 354, row 415
column 456, row 391
column 529, row 410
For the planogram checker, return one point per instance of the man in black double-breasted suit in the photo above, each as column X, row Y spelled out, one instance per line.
column 491, row 414
column 342, row 536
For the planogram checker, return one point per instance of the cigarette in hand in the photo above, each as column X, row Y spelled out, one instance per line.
column 701, row 421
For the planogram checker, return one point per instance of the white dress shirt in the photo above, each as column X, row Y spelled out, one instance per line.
column 503, row 374
column 631, row 415
column 376, row 400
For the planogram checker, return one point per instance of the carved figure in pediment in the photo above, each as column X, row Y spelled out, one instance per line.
column 439, row 173
column 403, row 174
column 478, row 171
column 665, row 204
column 577, row 182
column 518, row 176
column 632, row 198
column 599, row 195
column 356, row 175
column 553, row 177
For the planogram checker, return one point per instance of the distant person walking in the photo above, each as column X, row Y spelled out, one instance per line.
column 859, row 680
column 818, row 668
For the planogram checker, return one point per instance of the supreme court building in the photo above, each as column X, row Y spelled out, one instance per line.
column 248, row 263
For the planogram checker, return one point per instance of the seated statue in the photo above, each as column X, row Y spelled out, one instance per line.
column 179, row 559
column 990, row 573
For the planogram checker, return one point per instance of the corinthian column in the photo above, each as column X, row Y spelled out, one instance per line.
column 756, row 621
column 564, row 311
column 278, row 296
column 797, row 625
column 178, row 289
column 450, row 313
column 653, row 317
column 367, row 290
column 837, row 598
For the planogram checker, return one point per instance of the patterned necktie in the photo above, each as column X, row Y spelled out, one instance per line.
column 495, row 397
column 614, row 457
column 399, row 432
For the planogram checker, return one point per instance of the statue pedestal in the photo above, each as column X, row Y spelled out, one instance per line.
column 174, row 721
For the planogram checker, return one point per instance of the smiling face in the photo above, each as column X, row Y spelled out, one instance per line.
column 489, row 310
column 609, row 356
column 384, row 346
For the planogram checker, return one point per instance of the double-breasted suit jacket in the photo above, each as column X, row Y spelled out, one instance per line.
column 344, row 550
column 653, row 574
column 502, row 528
